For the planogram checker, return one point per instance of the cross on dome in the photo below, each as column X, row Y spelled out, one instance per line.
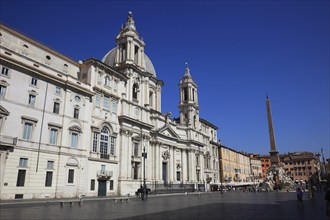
column 130, row 22
column 187, row 71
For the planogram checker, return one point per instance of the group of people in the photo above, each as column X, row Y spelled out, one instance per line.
column 300, row 194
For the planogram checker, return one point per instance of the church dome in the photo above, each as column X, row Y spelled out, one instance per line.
column 110, row 58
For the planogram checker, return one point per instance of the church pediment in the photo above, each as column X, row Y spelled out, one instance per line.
column 168, row 132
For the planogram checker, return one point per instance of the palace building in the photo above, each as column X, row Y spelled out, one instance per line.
column 73, row 128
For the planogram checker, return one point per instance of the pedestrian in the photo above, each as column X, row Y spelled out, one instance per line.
column 300, row 197
column 327, row 201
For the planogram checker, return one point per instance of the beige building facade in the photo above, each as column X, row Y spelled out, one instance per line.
column 256, row 169
column 79, row 128
column 235, row 167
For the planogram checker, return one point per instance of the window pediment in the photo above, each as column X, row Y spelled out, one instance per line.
column 33, row 92
column 75, row 128
column 72, row 162
column 27, row 118
column 4, row 83
column 3, row 111
column 54, row 125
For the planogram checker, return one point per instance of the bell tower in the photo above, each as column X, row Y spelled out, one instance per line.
column 188, row 107
column 130, row 47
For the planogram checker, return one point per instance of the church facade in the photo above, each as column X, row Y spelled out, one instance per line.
column 83, row 128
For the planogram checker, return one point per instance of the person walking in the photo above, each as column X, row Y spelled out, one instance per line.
column 327, row 202
column 300, row 197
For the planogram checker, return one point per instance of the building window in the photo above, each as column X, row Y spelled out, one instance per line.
column 112, row 145
column 197, row 175
column 3, row 90
column 97, row 100
column 58, row 90
column 21, row 178
column 136, row 171
column 95, row 141
column 53, row 136
column 111, row 184
column 23, row 162
column 32, row 100
column 34, row 81
column 151, row 104
column 123, row 52
column 115, row 85
column 5, row 71
column 99, row 77
column 136, row 52
column 27, row 131
column 106, row 103
column 193, row 94
column 74, row 140
column 185, row 94
column 135, row 91
column 56, row 108
column 76, row 113
column 136, row 149
column 114, row 106
column 71, row 176
column 92, row 185
column 104, row 141
column 49, row 178
column 208, row 163
column 178, row 175
column 107, row 81
column 50, row 165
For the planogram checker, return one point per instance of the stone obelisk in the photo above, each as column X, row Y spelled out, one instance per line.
column 274, row 158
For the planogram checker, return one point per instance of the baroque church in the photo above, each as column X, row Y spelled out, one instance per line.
column 95, row 127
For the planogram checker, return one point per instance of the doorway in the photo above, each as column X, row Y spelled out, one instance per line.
column 102, row 191
column 164, row 168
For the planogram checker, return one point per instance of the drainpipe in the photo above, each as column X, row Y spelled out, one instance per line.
column 42, row 123
column 59, row 147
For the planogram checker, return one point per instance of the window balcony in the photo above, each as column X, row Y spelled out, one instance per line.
column 7, row 143
column 104, row 174
column 105, row 156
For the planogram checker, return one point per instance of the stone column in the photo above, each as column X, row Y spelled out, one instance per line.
column 143, row 63
column 158, row 98
column 170, row 165
column 146, row 96
column 173, row 163
column 118, row 55
column 191, row 167
column 183, row 166
column 129, row 50
column 139, row 57
column 196, row 96
column 157, row 160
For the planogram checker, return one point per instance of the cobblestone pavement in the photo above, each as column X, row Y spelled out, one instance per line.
column 230, row 205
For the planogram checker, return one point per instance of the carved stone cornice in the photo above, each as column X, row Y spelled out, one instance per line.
column 126, row 132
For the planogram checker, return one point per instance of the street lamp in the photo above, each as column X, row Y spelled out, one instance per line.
column 220, row 175
column 144, row 189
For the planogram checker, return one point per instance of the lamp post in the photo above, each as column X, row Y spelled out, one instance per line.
column 220, row 175
column 144, row 189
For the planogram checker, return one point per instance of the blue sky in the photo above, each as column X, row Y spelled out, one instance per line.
column 237, row 52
